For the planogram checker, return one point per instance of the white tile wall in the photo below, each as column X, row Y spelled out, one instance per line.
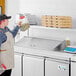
column 50, row 7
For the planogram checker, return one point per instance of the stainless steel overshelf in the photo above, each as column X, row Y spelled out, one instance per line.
column 40, row 43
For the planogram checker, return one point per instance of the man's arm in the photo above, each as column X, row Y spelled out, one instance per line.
column 14, row 32
column 3, row 38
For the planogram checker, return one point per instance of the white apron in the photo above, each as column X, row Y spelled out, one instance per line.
column 7, row 53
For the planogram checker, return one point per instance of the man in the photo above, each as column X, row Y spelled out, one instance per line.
column 6, row 45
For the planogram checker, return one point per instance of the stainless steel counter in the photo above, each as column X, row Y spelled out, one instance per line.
column 42, row 47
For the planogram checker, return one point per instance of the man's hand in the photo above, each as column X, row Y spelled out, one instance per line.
column 19, row 24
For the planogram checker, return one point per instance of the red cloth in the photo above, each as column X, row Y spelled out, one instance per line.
column 22, row 17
